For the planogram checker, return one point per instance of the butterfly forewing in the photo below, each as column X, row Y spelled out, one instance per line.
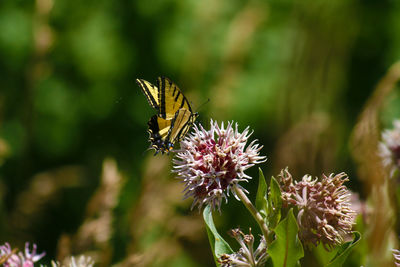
column 151, row 93
column 171, row 98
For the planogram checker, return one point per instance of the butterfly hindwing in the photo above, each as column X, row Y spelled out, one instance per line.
column 174, row 118
column 158, row 130
column 184, row 118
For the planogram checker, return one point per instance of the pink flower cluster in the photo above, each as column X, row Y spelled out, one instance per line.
column 10, row 258
column 211, row 162
column 324, row 208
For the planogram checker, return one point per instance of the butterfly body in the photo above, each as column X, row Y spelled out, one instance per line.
column 174, row 118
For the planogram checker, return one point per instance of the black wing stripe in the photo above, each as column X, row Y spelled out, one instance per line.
column 146, row 91
column 182, row 132
column 183, row 103
column 162, row 97
column 173, row 93
column 172, row 126
column 184, row 100
column 177, row 95
column 186, row 127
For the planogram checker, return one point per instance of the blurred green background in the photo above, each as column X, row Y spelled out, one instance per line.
column 297, row 72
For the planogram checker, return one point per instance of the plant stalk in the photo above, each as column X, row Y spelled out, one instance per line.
column 257, row 216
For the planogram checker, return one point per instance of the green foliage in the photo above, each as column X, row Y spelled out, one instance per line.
column 15, row 36
column 269, row 200
column 261, row 197
column 274, row 204
column 218, row 245
column 324, row 256
column 338, row 256
column 287, row 249
column 344, row 251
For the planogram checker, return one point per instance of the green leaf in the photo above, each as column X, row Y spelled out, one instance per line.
column 274, row 204
column 322, row 255
column 344, row 251
column 261, row 198
column 286, row 250
column 218, row 244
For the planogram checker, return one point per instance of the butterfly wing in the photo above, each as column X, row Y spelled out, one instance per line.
column 181, row 124
column 171, row 98
column 151, row 92
column 158, row 130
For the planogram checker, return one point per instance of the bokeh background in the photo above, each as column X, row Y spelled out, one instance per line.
column 316, row 80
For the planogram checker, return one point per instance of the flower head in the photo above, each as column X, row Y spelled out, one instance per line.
column 8, row 256
column 12, row 259
column 389, row 148
column 324, row 205
column 396, row 255
column 246, row 256
column 211, row 162
column 77, row 261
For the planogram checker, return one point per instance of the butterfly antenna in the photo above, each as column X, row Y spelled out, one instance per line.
column 203, row 104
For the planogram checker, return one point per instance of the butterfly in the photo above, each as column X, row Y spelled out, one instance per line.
column 174, row 118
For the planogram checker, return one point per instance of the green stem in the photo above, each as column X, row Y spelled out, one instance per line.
column 257, row 216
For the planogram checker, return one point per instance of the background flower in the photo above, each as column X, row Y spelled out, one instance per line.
column 75, row 261
column 389, row 148
column 396, row 255
column 13, row 259
column 324, row 208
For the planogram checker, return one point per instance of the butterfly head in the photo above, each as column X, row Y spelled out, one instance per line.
column 160, row 145
column 166, row 147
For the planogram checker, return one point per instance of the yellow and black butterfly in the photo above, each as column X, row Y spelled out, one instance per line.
column 174, row 118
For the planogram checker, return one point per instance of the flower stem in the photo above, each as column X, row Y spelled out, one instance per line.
column 257, row 216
